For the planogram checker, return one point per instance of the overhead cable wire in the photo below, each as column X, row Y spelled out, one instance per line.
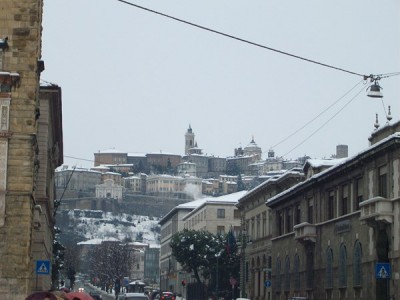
column 388, row 74
column 58, row 201
column 323, row 125
column 78, row 158
column 316, row 117
column 243, row 40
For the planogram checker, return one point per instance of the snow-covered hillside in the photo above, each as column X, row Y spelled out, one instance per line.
column 97, row 225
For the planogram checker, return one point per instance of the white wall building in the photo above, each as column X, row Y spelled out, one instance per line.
column 109, row 190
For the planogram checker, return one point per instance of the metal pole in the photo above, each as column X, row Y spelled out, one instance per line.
column 217, row 278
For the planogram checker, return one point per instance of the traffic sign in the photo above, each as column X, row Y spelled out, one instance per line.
column 383, row 271
column 267, row 283
column 43, row 267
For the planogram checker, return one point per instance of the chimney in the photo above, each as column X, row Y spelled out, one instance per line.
column 342, row 151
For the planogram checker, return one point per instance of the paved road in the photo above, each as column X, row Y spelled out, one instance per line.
column 104, row 294
column 91, row 288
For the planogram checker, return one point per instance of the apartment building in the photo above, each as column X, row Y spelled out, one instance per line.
column 213, row 214
column 136, row 184
column 171, row 224
column 30, row 146
column 257, row 227
column 75, row 182
column 336, row 234
column 217, row 215
column 110, row 157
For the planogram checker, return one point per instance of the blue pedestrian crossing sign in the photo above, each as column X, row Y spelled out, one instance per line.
column 43, row 267
column 382, row 271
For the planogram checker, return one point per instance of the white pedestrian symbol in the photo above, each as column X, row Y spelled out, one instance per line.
column 383, row 273
column 43, row 269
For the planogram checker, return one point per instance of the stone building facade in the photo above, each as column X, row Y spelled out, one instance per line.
column 76, row 182
column 170, row 224
column 256, row 223
column 333, row 230
column 50, row 144
column 26, row 189
column 109, row 189
column 110, row 157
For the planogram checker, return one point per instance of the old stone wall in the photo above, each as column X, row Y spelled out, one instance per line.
column 20, row 21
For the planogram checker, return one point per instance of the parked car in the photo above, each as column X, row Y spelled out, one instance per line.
column 96, row 296
column 154, row 295
column 167, row 296
column 133, row 296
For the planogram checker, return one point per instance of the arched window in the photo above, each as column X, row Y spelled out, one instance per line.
column 357, row 272
column 329, row 269
column 296, row 272
column 278, row 274
column 342, row 266
column 287, row 273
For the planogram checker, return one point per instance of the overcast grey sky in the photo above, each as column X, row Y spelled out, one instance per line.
column 134, row 80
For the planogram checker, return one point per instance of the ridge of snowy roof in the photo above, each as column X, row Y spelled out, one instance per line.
column 342, row 162
column 98, row 241
column 270, row 180
column 232, row 198
column 316, row 163
column 111, row 150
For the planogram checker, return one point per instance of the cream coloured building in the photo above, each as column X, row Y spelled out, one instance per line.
column 170, row 224
column 216, row 215
column 134, row 183
column 213, row 214
column 174, row 185
column 69, row 179
column 109, row 189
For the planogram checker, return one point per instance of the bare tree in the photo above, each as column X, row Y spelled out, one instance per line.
column 110, row 261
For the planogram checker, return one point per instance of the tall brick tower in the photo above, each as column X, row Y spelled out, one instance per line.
column 20, row 67
column 189, row 140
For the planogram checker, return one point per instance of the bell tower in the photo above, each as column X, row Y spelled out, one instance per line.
column 189, row 140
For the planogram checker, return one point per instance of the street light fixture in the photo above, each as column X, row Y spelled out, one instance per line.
column 375, row 90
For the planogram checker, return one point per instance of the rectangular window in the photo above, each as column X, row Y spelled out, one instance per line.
column 236, row 214
column 252, row 233
column 220, row 213
column 310, row 211
column 221, row 230
column 383, row 182
column 331, row 205
column 280, row 223
column 289, row 226
column 264, row 225
column 359, row 193
column 298, row 215
column 236, row 231
column 344, row 204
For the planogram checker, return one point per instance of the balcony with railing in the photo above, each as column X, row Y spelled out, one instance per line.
column 305, row 232
column 375, row 210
